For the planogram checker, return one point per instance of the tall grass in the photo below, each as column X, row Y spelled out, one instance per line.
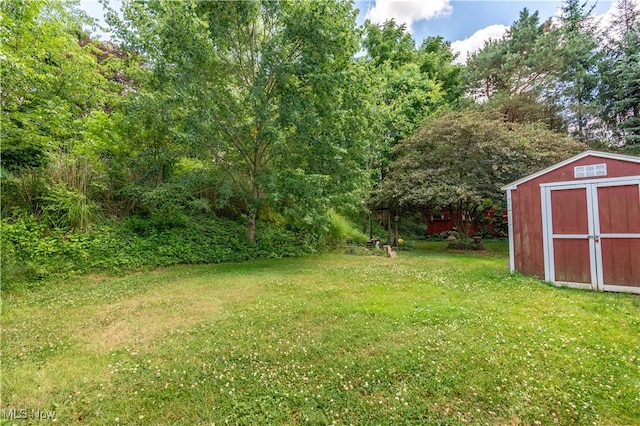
column 59, row 195
column 70, row 200
column 341, row 230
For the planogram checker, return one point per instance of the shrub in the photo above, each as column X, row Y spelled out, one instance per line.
column 412, row 225
column 32, row 253
column 446, row 234
column 68, row 208
column 465, row 244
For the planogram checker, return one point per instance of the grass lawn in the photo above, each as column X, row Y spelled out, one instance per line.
column 426, row 338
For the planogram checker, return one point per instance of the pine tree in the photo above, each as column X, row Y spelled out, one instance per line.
column 619, row 90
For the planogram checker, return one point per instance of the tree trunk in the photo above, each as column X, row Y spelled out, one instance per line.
column 251, row 226
column 462, row 226
column 253, row 210
column 364, row 224
column 396, row 218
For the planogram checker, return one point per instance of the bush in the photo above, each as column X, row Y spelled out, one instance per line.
column 446, row 234
column 413, row 226
column 68, row 208
column 32, row 253
column 363, row 251
column 465, row 244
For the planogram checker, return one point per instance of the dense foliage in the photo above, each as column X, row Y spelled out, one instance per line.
column 266, row 90
column 566, row 72
column 32, row 252
column 278, row 118
column 459, row 161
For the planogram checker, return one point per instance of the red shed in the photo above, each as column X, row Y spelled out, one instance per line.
column 577, row 223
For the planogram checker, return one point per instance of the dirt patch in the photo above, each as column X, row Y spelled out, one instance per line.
column 139, row 321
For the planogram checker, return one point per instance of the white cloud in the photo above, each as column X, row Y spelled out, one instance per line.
column 476, row 42
column 407, row 11
column 605, row 21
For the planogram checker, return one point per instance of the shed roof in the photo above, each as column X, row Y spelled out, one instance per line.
column 584, row 154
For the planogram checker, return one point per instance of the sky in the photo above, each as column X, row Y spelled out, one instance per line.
column 465, row 23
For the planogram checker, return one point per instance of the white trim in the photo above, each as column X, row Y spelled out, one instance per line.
column 595, row 249
column 581, row 286
column 597, row 154
column 547, row 242
column 621, row 181
column 571, row 236
column 619, row 236
column 512, row 253
column 617, row 181
column 622, row 288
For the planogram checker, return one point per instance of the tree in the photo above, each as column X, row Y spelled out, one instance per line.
column 436, row 61
column 388, row 43
column 408, row 85
column 260, row 88
column 49, row 80
column 627, row 103
column 518, row 73
column 458, row 161
column 579, row 77
column 56, row 88
column 619, row 88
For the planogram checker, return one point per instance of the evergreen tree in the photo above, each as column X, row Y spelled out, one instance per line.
column 579, row 77
column 619, row 91
column 518, row 73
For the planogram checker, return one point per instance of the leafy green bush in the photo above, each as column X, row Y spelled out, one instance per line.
column 7, row 257
column 446, row 234
column 465, row 244
column 363, row 251
column 412, row 225
column 32, row 252
column 27, row 248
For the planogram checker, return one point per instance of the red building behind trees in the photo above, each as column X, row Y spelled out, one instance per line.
column 493, row 223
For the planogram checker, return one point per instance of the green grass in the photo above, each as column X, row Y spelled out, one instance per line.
column 429, row 337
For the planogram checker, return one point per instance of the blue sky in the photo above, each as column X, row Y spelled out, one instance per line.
column 461, row 19
column 465, row 23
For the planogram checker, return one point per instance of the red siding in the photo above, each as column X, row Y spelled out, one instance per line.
column 621, row 261
column 572, row 261
column 443, row 222
column 569, row 215
column 619, row 209
column 527, row 230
